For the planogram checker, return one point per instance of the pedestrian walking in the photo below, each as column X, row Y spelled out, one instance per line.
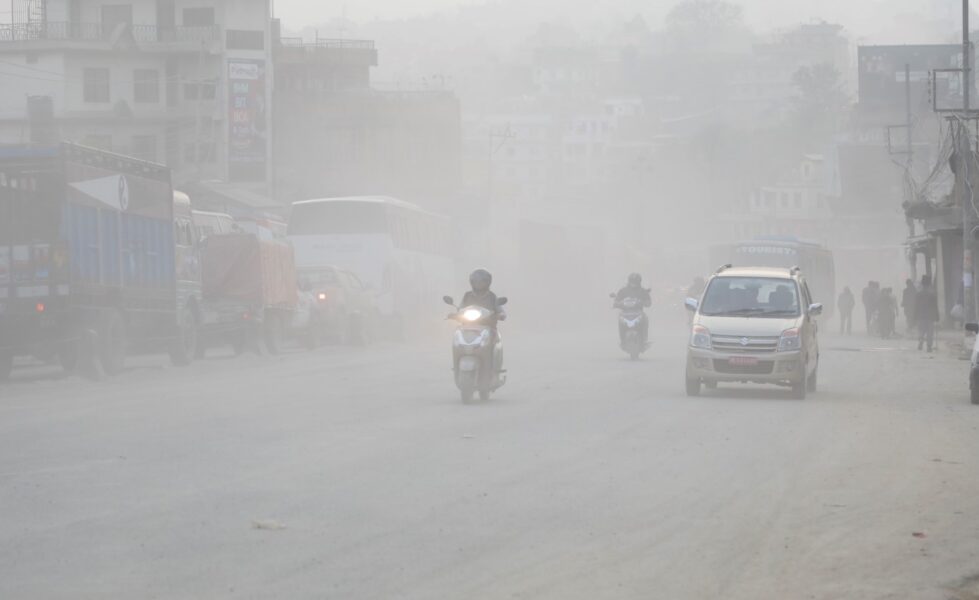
column 908, row 297
column 926, row 314
column 886, row 313
column 870, row 297
column 845, row 304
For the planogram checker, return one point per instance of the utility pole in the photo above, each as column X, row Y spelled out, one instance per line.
column 965, row 154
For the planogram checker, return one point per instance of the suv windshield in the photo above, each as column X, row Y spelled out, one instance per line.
column 751, row 296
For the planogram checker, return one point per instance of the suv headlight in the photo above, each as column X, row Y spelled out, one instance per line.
column 790, row 340
column 700, row 337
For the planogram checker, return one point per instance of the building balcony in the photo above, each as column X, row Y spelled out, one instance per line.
column 45, row 35
column 326, row 51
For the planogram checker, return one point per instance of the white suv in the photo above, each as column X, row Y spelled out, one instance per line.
column 754, row 325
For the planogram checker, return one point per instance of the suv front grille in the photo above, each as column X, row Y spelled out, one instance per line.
column 747, row 344
column 762, row 368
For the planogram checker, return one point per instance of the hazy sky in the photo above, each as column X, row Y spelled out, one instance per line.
column 877, row 20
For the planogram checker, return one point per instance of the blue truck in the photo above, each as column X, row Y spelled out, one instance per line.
column 98, row 258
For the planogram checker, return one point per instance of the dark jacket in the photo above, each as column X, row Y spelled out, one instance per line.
column 926, row 306
column 639, row 293
column 487, row 300
column 908, row 298
column 846, row 302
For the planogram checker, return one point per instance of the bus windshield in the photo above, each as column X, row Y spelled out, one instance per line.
column 337, row 217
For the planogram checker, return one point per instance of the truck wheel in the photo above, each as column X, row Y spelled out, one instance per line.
column 693, row 387
column 272, row 332
column 113, row 342
column 6, row 364
column 356, row 334
column 974, row 387
column 183, row 348
column 239, row 341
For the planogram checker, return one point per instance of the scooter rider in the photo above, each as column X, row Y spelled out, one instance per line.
column 480, row 295
column 634, row 289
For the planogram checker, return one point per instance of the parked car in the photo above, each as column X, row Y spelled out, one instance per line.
column 346, row 308
column 754, row 325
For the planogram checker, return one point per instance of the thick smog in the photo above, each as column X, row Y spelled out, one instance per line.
column 488, row 299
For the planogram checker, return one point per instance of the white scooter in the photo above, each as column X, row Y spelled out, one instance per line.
column 633, row 326
column 477, row 350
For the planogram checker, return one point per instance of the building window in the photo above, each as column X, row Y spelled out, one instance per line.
column 245, row 40
column 769, row 199
column 797, row 196
column 783, row 199
column 146, row 85
column 199, row 17
column 98, row 140
column 208, row 153
column 144, row 147
column 95, row 85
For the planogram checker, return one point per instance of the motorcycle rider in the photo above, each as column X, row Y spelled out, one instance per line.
column 480, row 281
column 480, row 295
column 634, row 289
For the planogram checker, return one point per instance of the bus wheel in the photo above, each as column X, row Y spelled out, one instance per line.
column 113, row 344
column 6, row 364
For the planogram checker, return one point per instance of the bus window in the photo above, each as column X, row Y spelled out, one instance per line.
column 337, row 217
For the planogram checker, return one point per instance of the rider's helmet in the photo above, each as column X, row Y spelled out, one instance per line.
column 480, row 280
column 635, row 279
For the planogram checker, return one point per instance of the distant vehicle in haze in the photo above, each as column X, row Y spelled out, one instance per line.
column 815, row 260
column 398, row 250
column 754, row 324
column 211, row 223
column 345, row 306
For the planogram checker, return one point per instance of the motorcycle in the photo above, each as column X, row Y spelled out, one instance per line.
column 633, row 326
column 477, row 351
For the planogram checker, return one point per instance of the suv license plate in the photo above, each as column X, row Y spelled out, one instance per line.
column 743, row 361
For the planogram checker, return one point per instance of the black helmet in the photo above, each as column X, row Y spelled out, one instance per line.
column 480, row 280
column 635, row 279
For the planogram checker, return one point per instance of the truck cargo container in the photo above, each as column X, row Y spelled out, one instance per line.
column 97, row 257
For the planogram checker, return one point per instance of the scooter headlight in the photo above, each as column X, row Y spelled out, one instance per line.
column 471, row 314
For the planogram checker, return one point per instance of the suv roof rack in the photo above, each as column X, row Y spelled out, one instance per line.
column 795, row 269
column 723, row 268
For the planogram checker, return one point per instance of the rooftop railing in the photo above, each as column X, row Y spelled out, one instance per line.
column 99, row 32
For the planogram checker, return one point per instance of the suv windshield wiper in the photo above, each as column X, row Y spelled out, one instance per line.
column 786, row 311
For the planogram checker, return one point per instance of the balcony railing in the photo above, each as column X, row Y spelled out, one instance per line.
column 97, row 32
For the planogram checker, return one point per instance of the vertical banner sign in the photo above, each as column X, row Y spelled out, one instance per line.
column 247, row 116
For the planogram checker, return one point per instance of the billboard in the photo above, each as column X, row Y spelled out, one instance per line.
column 247, row 119
column 881, row 74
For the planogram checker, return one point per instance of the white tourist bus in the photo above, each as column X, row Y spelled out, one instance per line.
column 397, row 249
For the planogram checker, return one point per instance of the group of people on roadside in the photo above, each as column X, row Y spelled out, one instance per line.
column 881, row 308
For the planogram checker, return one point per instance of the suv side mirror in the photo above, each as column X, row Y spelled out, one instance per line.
column 502, row 300
column 815, row 309
column 448, row 300
column 972, row 327
column 691, row 304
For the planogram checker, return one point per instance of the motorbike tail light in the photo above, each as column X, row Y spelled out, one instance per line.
column 40, row 307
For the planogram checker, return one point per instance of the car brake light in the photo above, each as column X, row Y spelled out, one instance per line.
column 39, row 307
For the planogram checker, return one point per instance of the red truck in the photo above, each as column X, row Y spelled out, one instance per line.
column 250, row 293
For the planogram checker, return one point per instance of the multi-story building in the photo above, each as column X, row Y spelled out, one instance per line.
column 184, row 82
column 337, row 135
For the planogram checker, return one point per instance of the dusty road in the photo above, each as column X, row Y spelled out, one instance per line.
column 358, row 474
